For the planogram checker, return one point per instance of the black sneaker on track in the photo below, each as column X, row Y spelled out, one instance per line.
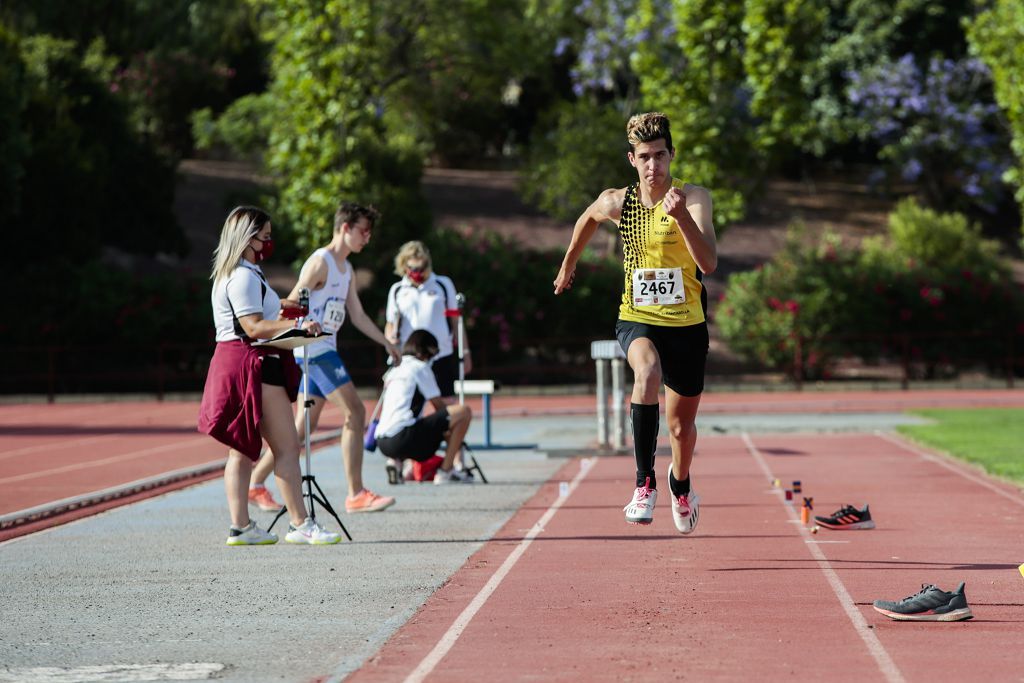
column 847, row 517
column 931, row 604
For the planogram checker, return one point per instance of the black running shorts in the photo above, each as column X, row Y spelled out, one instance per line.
column 446, row 371
column 418, row 441
column 683, row 352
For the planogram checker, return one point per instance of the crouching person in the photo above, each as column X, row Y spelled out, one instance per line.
column 402, row 434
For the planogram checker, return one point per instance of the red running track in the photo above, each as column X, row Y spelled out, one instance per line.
column 51, row 453
column 752, row 594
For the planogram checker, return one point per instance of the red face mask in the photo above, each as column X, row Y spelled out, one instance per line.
column 417, row 275
column 267, row 251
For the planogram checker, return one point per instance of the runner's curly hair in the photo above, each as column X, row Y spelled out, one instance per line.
column 647, row 128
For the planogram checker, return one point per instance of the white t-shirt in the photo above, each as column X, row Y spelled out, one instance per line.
column 422, row 308
column 399, row 389
column 327, row 304
column 244, row 292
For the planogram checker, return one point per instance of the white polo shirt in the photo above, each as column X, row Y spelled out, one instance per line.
column 244, row 292
column 422, row 308
column 401, row 385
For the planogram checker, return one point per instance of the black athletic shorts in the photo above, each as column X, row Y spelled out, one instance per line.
column 418, row 441
column 446, row 371
column 273, row 371
column 683, row 352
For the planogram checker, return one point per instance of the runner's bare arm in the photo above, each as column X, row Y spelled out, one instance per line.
column 363, row 323
column 607, row 207
column 312, row 276
column 691, row 207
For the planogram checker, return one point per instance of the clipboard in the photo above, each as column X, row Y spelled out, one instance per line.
column 291, row 339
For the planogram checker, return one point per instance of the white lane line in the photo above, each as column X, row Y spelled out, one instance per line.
column 452, row 635
column 104, row 461
column 119, row 673
column 111, row 493
column 943, row 462
column 874, row 645
column 57, row 445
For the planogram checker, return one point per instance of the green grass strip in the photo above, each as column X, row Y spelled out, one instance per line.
column 990, row 437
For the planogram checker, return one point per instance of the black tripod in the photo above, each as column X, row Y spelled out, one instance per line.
column 472, row 465
column 308, row 479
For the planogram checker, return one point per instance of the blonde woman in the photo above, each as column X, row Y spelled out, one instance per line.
column 249, row 390
column 418, row 302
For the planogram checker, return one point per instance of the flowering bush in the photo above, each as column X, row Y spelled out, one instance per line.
column 937, row 127
column 932, row 291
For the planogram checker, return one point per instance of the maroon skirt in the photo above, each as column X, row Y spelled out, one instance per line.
column 232, row 405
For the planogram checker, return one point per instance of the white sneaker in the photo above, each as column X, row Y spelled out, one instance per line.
column 394, row 471
column 641, row 509
column 453, row 476
column 311, row 533
column 685, row 509
column 251, row 535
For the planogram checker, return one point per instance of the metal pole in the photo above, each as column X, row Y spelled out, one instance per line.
column 487, row 420
column 306, row 403
column 618, row 399
column 460, row 301
column 602, row 403
column 305, row 406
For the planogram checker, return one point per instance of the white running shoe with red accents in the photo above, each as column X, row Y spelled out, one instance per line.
column 641, row 509
column 685, row 509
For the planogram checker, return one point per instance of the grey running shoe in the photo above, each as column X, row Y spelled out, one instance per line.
column 930, row 604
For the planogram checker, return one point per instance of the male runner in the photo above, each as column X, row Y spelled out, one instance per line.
column 668, row 244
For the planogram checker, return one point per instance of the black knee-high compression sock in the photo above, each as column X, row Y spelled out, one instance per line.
column 645, row 440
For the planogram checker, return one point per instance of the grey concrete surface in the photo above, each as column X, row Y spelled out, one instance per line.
column 153, row 582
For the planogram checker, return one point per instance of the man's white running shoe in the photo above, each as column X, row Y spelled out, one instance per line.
column 311, row 533
column 685, row 509
column 641, row 509
column 251, row 535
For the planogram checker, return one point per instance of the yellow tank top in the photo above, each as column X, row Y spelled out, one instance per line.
column 653, row 248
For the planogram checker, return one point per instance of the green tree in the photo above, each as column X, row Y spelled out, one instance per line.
column 703, row 96
column 578, row 151
column 13, row 140
column 782, row 48
column 327, row 139
column 86, row 180
column 362, row 92
column 171, row 56
column 996, row 35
